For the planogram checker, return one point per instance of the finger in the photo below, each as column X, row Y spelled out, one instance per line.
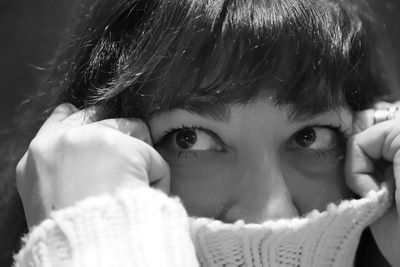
column 133, row 127
column 382, row 105
column 156, row 168
column 364, row 149
column 358, row 171
column 159, row 172
column 363, row 120
column 381, row 140
column 59, row 114
column 389, row 180
column 396, row 175
column 20, row 170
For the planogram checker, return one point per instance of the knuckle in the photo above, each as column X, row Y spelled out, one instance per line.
column 95, row 137
column 37, row 145
column 20, row 168
column 71, row 137
column 107, row 138
column 392, row 142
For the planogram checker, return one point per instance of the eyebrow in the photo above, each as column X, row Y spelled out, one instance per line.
column 221, row 111
column 215, row 111
column 296, row 115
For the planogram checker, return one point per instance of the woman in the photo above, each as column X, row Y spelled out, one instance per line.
column 243, row 110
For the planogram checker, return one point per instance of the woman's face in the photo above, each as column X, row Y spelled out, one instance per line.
column 255, row 163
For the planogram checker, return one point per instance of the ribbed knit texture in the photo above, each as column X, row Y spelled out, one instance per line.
column 144, row 227
column 328, row 238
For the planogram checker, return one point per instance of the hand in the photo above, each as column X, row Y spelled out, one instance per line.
column 72, row 158
column 373, row 157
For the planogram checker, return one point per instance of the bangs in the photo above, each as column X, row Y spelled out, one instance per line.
column 309, row 54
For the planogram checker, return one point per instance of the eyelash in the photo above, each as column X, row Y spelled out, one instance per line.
column 342, row 136
column 166, row 133
column 191, row 154
column 187, row 154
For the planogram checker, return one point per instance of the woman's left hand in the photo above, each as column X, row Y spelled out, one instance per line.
column 373, row 157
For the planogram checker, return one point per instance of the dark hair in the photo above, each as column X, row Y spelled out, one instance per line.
column 134, row 58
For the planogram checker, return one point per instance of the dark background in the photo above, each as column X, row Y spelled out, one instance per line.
column 30, row 31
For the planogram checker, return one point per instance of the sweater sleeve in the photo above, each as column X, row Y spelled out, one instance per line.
column 142, row 227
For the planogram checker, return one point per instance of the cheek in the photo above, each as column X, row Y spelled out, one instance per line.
column 204, row 186
column 209, row 184
column 313, row 185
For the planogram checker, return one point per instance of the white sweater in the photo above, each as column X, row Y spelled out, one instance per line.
column 144, row 227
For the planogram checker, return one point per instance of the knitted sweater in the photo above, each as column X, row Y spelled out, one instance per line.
column 144, row 227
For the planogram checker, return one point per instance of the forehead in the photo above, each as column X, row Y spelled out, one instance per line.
column 266, row 101
column 256, row 110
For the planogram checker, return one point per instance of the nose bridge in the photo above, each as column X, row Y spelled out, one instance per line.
column 264, row 194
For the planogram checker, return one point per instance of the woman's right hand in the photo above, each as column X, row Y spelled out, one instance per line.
column 72, row 158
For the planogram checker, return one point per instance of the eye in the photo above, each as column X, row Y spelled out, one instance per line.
column 191, row 139
column 315, row 138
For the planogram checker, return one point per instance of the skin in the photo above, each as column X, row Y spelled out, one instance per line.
column 72, row 158
column 252, row 165
column 249, row 166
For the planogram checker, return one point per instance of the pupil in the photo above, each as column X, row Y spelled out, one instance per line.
column 306, row 137
column 185, row 139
